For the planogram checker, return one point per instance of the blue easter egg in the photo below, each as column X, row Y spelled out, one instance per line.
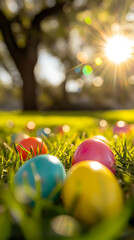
column 41, row 132
column 13, row 137
column 49, row 171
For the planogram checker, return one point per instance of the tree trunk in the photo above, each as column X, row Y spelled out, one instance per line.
column 26, row 66
column 26, row 58
column 29, row 90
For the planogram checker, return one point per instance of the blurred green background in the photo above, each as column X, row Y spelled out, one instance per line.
column 52, row 55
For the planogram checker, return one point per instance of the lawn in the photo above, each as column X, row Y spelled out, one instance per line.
column 21, row 221
column 77, row 120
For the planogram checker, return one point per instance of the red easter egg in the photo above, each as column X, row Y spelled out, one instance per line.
column 62, row 129
column 34, row 143
column 95, row 150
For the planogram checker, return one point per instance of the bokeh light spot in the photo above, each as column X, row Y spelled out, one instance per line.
column 131, row 80
column 31, row 125
column 82, row 57
column 29, row 4
column 66, row 128
column 103, row 123
column 77, row 69
column 97, row 81
column 41, row 132
column 65, row 225
column 88, row 20
column 47, row 130
column 10, row 123
column 87, row 70
column 121, row 124
column 98, row 61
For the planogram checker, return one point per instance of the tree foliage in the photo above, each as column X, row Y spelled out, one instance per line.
column 60, row 28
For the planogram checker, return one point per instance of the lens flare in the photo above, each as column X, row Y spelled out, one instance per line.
column 98, row 81
column 118, row 49
column 87, row 70
column 88, row 20
column 82, row 57
column 98, row 61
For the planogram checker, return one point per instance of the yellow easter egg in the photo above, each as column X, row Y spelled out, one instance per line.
column 91, row 192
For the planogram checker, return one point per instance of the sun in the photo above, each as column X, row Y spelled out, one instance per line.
column 118, row 49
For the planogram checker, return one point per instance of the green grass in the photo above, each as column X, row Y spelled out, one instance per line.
column 20, row 221
column 49, row 118
column 78, row 120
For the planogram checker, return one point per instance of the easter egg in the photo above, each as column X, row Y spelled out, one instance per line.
column 41, row 132
column 18, row 137
column 13, row 137
column 96, row 150
column 120, row 128
column 21, row 137
column 32, row 143
column 91, row 192
column 102, row 138
column 62, row 129
column 47, row 170
column 131, row 128
column 59, row 130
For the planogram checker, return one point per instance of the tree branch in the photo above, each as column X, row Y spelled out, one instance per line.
column 47, row 12
column 8, row 35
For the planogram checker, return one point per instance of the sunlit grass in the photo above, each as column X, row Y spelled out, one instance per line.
column 76, row 119
column 18, row 220
column 51, row 119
